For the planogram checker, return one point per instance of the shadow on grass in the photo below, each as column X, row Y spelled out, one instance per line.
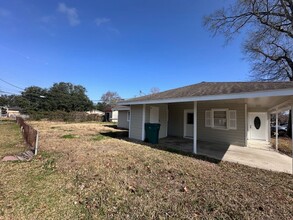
column 161, row 146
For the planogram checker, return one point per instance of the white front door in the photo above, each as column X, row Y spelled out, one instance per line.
column 154, row 114
column 188, row 123
column 257, row 126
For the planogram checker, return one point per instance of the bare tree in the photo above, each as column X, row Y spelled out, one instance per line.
column 154, row 90
column 269, row 42
column 110, row 98
column 269, row 24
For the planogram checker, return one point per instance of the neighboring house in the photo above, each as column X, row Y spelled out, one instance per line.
column 114, row 116
column 95, row 112
column 111, row 115
column 227, row 112
column 123, row 116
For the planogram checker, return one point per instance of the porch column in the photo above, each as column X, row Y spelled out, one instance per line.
column 143, row 122
column 195, row 128
column 268, row 138
column 277, row 130
column 292, row 134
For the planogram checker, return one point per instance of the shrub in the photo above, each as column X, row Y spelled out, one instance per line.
column 65, row 116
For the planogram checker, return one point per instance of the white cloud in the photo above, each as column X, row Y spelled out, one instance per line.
column 100, row 21
column 71, row 14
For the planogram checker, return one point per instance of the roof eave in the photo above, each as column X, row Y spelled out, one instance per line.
column 267, row 93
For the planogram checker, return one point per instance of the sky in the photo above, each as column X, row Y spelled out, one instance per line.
column 126, row 46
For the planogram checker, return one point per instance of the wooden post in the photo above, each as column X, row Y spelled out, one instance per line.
column 37, row 143
column 195, row 128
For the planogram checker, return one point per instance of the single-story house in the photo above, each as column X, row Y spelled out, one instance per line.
column 123, row 116
column 227, row 112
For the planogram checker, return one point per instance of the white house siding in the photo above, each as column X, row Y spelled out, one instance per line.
column 163, row 118
column 135, row 131
column 176, row 122
column 122, row 119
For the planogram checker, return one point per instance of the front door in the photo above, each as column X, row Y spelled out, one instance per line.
column 188, row 123
column 257, row 125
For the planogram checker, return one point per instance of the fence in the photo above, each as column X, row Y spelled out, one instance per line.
column 30, row 135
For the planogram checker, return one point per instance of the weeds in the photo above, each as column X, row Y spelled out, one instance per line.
column 69, row 136
column 99, row 137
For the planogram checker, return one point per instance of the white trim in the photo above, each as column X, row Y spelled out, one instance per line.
column 268, row 93
column 230, row 119
column 246, row 123
column 143, row 122
column 195, row 128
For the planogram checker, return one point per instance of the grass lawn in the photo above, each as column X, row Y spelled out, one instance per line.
column 89, row 176
column 284, row 146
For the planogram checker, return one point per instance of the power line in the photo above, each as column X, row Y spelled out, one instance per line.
column 11, row 84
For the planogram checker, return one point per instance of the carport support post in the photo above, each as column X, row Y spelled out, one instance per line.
column 143, row 122
column 292, row 134
column 277, row 130
column 195, row 128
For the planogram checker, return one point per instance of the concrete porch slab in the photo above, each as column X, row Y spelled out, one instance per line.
column 258, row 153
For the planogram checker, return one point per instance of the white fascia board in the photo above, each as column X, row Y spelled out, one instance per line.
column 280, row 92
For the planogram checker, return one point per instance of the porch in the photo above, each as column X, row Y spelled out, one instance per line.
column 257, row 154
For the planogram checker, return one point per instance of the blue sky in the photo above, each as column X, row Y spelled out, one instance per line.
column 125, row 46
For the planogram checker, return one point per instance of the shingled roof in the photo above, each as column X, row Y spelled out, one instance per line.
column 213, row 88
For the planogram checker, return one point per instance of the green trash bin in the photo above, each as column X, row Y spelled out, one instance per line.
column 152, row 132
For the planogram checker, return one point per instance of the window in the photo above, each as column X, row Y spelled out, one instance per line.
column 221, row 119
column 190, row 118
column 128, row 116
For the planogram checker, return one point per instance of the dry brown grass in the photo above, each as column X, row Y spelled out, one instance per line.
column 86, row 177
column 284, row 146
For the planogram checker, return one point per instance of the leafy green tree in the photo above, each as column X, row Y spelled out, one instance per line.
column 68, row 97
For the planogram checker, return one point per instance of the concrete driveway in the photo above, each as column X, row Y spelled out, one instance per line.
column 258, row 153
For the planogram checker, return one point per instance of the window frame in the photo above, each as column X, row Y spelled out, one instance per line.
column 210, row 119
column 213, row 110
